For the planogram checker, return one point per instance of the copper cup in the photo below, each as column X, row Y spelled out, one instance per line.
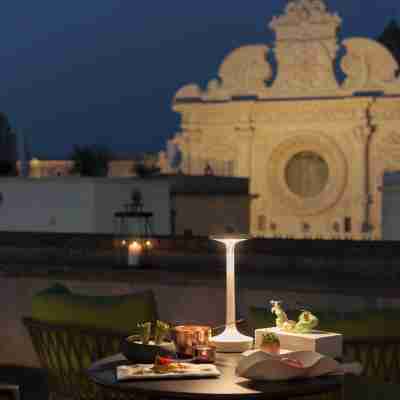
column 187, row 337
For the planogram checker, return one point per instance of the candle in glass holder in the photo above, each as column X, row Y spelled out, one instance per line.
column 134, row 250
column 204, row 354
column 186, row 337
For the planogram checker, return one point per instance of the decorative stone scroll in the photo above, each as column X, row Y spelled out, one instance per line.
column 244, row 71
column 191, row 91
column 369, row 66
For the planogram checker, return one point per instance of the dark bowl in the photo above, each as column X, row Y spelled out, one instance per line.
column 143, row 353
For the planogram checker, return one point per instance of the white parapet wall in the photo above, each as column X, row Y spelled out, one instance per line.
column 78, row 205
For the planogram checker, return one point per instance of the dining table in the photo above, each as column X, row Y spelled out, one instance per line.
column 227, row 386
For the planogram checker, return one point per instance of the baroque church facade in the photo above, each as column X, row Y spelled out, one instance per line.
column 315, row 149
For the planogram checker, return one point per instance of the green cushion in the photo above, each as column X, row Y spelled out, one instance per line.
column 117, row 313
column 57, row 288
column 351, row 324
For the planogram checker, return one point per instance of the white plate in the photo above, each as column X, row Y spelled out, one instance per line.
column 144, row 371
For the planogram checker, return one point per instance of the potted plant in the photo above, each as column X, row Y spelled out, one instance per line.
column 140, row 348
column 270, row 343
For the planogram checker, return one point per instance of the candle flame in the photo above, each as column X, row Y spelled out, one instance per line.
column 135, row 247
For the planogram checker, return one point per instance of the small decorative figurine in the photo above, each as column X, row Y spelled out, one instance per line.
column 270, row 343
column 281, row 316
column 282, row 321
column 307, row 322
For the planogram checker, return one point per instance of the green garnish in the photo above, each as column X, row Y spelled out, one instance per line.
column 144, row 332
column 161, row 331
column 270, row 338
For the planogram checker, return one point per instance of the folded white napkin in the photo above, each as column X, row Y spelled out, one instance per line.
column 260, row 365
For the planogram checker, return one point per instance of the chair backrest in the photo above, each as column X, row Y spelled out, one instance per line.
column 70, row 331
column 66, row 351
column 379, row 356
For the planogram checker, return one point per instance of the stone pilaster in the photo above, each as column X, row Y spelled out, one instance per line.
column 244, row 150
column 361, row 197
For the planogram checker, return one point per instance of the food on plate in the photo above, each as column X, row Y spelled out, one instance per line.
column 135, row 370
column 163, row 365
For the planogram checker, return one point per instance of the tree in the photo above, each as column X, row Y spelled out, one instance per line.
column 146, row 165
column 8, row 148
column 143, row 171
column 390, row 38
column 7, row 168
column 90, row 160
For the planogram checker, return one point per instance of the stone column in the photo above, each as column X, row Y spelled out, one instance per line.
column 258, row 182
column 362, row 197
column 376, row 186
column 189, row 146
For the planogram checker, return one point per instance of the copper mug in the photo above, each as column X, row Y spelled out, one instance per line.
column 187, row 337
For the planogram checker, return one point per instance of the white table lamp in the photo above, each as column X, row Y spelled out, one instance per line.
column 231, row 340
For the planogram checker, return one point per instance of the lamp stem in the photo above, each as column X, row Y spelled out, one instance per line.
column 230, row 285
column 231, row 340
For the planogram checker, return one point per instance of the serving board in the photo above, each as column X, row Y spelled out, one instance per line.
column 144, row 372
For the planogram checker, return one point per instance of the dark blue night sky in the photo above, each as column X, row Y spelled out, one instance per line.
column 105, row 71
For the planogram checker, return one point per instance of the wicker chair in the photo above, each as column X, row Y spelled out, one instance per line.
column 379, row 356
column 66, row 351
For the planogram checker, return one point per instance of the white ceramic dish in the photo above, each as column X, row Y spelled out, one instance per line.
column 258, row 365
column 144, row 372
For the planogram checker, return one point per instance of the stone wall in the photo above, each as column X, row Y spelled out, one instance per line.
column 82, row 252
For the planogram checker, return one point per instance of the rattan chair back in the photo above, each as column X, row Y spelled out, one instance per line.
column 379, row 356
column 66, row 351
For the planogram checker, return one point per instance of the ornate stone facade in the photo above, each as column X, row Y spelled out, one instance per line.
column 314, row 148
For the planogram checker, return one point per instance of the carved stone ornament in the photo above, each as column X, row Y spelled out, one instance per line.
column 245, row 71
column 328, row 150
column 305, row 50
column 301, row 12
column 306, row 47
column 191, row 91
column 215, row 91
column 369, row 66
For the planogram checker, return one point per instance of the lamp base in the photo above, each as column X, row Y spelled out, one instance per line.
column 232, row 341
